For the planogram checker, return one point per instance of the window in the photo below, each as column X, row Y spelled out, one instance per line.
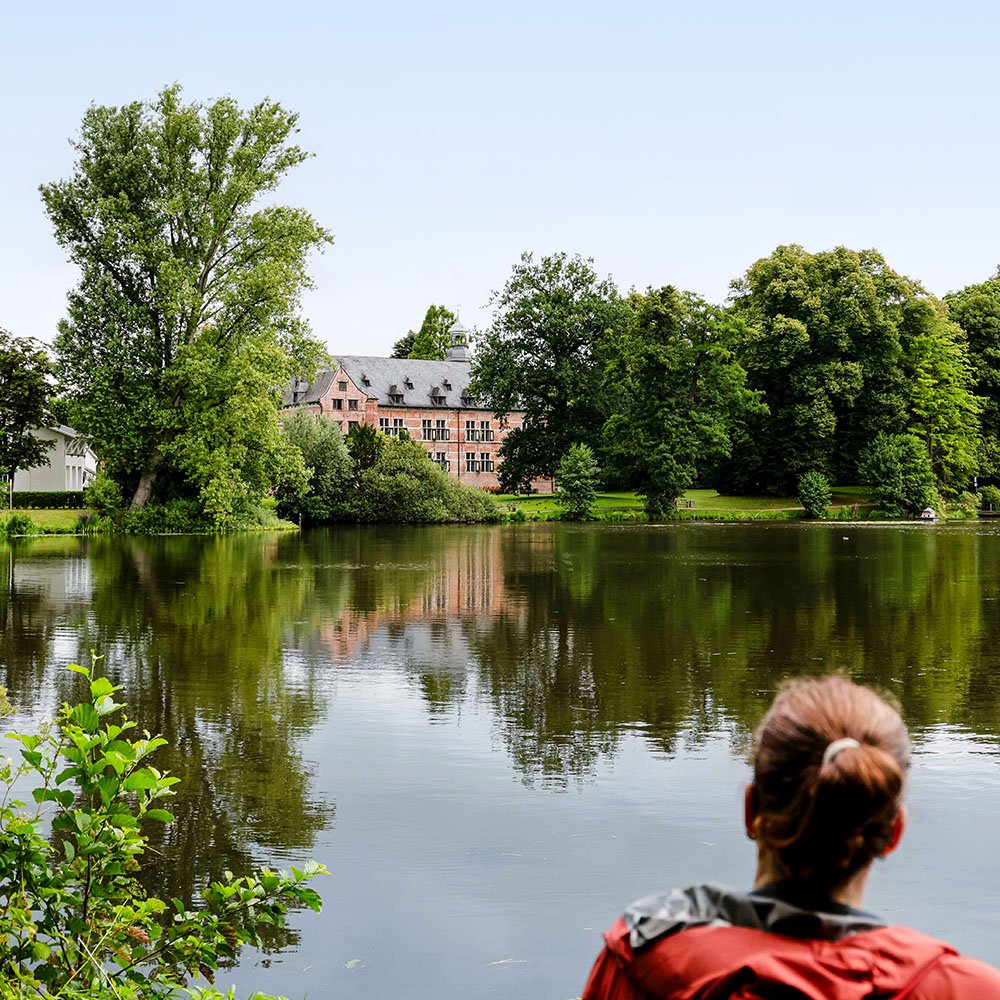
column 352, row 404
column 485, row 430
column 471, row 434
column 397, row 425
column 425, row 430
column 446, row 384
column 337, row 404
column 443, row 434
column 342, row 386
column 365, row 380
column 471, row 465
column 442, row 460
column 351, row 424
column 485, row 462
column 407, row 383
column 383, row 424
column 395, row 397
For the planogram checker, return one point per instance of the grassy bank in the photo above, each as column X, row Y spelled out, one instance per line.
column 695, row 505
column 51, row 521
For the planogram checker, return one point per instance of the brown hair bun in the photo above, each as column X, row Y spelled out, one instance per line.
column 825, row 819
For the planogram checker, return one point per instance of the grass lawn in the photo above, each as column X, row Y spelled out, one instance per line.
column 49, row 520
column 704, row 500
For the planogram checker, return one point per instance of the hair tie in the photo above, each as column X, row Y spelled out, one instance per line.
column 836, row 746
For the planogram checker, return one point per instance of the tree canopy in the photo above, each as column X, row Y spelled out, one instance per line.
column 976, row 309
column 680, row 389
column 25, row 384
column 185, row 321
column 544, row 354
column 430, row 342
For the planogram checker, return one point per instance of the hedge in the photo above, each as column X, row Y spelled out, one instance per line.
column 48, row 500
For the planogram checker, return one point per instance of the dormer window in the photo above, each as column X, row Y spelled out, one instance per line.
column 395, row 397
column 468, row 400
column 407, row 382
column 365, row 380
column 438, row 400
column 446, row 384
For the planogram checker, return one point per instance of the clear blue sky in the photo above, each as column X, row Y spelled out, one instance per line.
column 672, row 142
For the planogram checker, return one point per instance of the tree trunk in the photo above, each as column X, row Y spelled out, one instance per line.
column 146, row 481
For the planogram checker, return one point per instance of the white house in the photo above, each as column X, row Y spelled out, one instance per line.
column 72, row 463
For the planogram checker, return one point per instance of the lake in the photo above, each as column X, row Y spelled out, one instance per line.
column 496, row 737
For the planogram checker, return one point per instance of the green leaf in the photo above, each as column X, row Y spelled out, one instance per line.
column 77, row 669
column 100, row 688
column 160, row 814
column 86, row 717
column 140, row 779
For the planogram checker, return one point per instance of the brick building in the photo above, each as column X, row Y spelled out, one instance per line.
column 430, row 400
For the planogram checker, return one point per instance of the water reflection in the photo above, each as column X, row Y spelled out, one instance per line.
column 571, row 639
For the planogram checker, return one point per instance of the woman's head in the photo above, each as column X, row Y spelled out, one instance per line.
column 829, row 766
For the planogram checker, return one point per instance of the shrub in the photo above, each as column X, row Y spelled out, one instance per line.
column 73, row 924
column 404, row 486
column 103, row 496
column 48, row 499
column 577, row 476
column 989, row 498
column 329, row 463
column 815, row 494
column 898, row 470
column 19, row 524
column 965, row 504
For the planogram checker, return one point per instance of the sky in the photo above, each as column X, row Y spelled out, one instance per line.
column 673, row 143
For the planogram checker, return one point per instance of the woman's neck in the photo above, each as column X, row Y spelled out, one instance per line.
column 771, row 872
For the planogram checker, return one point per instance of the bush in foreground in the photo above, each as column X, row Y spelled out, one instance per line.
column 74, row 923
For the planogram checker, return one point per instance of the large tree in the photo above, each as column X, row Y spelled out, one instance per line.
column 185, row 321
column 837, row 339
column 430, row 342
column 976, row 309
column 553, row 328
column 25, row 384
column 680, row 389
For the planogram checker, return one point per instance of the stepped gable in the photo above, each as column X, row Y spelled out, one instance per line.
column 383, row 378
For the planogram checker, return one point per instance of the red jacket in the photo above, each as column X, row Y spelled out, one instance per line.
column 703, row 944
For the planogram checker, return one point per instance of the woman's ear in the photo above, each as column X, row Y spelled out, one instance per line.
column 898, row 828
column 751, row 810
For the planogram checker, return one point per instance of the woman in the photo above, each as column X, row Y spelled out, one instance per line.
column 830, row 764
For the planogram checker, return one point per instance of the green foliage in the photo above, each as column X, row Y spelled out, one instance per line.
column 75, row 923
column 19, row 524
column 404, row 486
column 25, row 375
column 186, row 315
column 898, row 470
column 976, row 309
column 326, row 458
column 965, row 504
column 941, row 408
column 679, row 389
column 103, row 496
column 432, row 339
column 815, row 494
column 828, row 348
column 544, row 354
column 365, row 445
column 48, row 499
column 577, row 476
column 989, row 498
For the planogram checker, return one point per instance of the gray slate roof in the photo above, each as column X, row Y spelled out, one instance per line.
column 383, row 373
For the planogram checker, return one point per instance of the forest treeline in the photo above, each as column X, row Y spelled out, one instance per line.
column 830, row 363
